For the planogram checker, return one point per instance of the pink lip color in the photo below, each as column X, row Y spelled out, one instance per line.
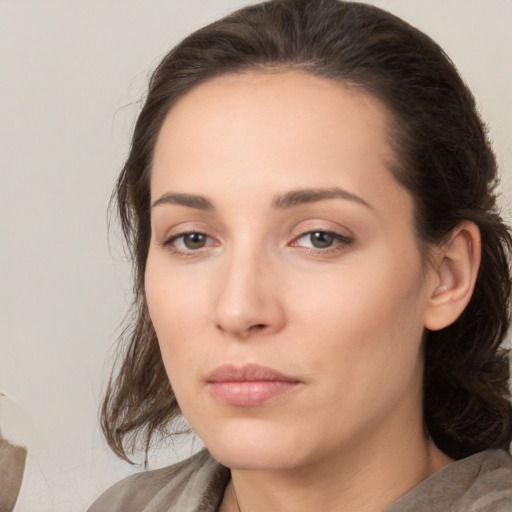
column 248, row 386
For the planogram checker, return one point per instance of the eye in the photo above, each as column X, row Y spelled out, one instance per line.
column 185, row 242
column 321, row 240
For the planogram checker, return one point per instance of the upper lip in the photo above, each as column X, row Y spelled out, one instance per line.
column 247, row 373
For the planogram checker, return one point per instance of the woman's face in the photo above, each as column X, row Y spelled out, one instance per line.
column 284, row 279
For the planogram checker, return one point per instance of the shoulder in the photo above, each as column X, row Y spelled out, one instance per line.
column 480, row 483
column 195, row 484
column 491, row 488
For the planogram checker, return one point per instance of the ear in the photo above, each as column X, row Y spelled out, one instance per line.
column 453, row 276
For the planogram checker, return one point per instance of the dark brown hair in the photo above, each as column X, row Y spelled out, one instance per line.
column 444, row 160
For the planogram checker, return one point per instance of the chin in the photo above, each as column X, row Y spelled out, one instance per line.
column 255, row 447
column 253, row 458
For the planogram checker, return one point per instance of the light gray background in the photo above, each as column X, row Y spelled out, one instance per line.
column 72, row 72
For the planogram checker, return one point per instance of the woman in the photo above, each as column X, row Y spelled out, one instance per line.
column 321, row 277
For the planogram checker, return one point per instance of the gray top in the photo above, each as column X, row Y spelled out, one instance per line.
column 480, row 483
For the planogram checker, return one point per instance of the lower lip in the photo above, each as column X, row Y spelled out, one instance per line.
column 249, row 393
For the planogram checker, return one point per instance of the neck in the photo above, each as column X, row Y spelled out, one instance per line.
column 366, row 488
column 365, row 478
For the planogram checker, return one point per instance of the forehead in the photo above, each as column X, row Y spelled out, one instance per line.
column 256, row 127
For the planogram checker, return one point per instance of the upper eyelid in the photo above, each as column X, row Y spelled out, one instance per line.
column 339, row 236
column 327, row 231
column 167, row 232
column 300, row 233
column 171, row 238
column 341, row 231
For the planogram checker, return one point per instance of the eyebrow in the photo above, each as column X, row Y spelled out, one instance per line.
column 281, row 201
column 190, row 200
column 312, row 195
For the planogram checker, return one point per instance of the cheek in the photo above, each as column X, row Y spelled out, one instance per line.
column 178, row 309
column 364, row 323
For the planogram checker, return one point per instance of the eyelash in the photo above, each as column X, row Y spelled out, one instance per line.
column 170, row 244
column 340, row 243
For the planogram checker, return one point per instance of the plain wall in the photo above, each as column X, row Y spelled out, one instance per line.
column 72, row 72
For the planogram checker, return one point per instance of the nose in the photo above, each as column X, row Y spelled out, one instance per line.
column 248, row 299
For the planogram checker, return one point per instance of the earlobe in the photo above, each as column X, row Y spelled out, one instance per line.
column 454, row 275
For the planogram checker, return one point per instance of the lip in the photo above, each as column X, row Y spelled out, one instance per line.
column 250, row 385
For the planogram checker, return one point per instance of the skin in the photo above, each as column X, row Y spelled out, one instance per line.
column 345, row 320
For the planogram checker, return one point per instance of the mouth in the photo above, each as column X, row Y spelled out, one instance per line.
column 248, row 386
